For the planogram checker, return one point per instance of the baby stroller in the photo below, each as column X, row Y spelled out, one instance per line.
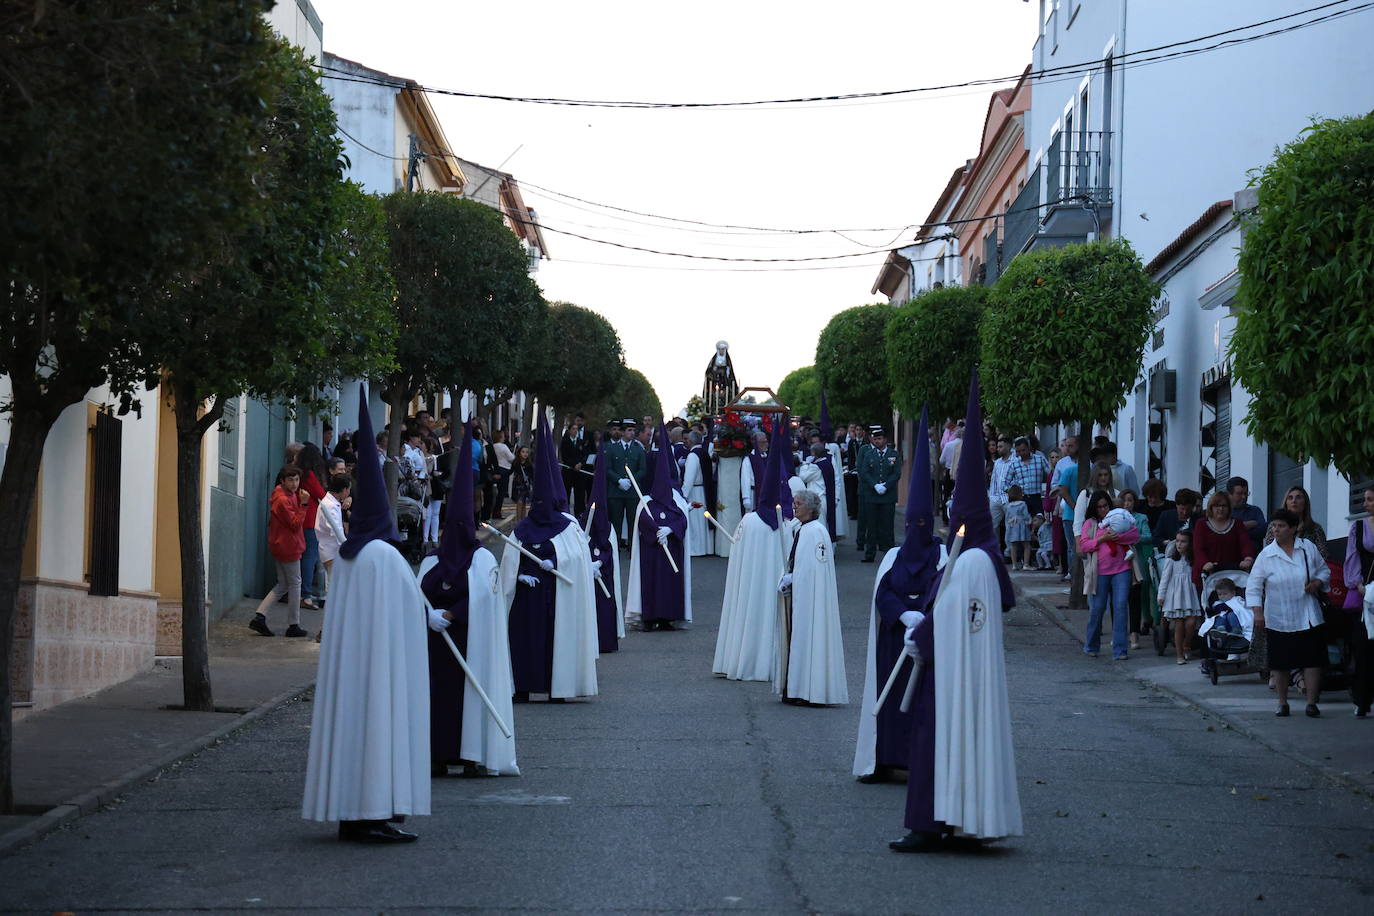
column 1227, row 646
column 410, row 515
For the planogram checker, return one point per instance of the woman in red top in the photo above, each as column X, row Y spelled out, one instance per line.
column 1219, row 542
column 286, row 542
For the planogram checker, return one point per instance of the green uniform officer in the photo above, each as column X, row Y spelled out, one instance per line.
column 624, row 457
column 880, row 468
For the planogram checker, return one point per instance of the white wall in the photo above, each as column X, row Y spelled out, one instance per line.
column 367, row 111
column 298, row 23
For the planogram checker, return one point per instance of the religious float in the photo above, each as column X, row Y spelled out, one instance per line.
column 752, row 411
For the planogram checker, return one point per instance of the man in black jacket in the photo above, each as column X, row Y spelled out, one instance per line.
column 572, row 455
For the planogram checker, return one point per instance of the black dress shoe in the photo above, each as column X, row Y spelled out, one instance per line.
column 438, row 770
column 295, row 630
column 1362, row 712
column 1283, row 711
column 557, row 700
column 521, row 696
column 259, row 625
column 916, row 841
column 1313, row 712
column 879, row 774
column 375, row 832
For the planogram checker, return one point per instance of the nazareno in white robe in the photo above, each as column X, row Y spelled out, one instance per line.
column 749, row 611
column 810, row 666
column 633, row 601
column 369, row 733
column 866, row 750
column 488, row 655
column 975, row 763
column 841, row 502
column 575, row 645
column 700, row 537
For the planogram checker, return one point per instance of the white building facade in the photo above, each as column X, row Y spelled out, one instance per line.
column 1159, row 150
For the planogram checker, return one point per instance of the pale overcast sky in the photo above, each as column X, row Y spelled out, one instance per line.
column 856, row 165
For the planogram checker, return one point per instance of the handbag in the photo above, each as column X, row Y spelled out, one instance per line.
column 1333, row 617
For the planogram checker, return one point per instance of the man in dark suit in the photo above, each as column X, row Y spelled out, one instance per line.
column 850, row 441
column 624, row 457
column 572, row 455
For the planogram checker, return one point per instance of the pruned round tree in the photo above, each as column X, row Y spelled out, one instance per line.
column 1305, row 325
column 932, row 346
column 1062, row 335
column 576, row 361
column 464, row 298
column 1061, row 340
column 850, row 365
column 633, row 397
column 801, row 392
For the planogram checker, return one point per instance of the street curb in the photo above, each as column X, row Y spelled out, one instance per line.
column 1339, row 777
column 93, row 800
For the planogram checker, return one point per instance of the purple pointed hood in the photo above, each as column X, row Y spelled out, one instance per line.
column 969, row 506
column 447, row 582
column 774, row 491
column 665, row 469
column 827, row 433
column 910, row 583
column 600, row 532
column 547, row 497
column 372, row 518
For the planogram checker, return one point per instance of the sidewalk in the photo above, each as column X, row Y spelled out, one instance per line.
column 1338, row 744
column 79, row 756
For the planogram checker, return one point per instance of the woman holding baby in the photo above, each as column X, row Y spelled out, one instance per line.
column 1104, row 543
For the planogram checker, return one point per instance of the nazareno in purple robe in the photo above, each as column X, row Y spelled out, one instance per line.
column 757, row 463
column 920, row 783
column 661, row 592
column 828, row 475
column 532, row 623
column 599, row 537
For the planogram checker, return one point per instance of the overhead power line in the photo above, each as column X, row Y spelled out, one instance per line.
column 1129, row 59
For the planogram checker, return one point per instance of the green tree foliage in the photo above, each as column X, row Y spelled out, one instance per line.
column 633, row 397
column 126, row 140
column 1305, row 329
column 577, row 360
column 1062, row 334
column 464, row 301
column 308, row 276
column 932, row 347
column 801, row 392
column 850, row 366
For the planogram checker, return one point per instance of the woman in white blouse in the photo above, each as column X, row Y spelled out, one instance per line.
column 1282, row 590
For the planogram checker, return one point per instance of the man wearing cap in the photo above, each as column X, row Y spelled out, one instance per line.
column 880, row 467
column 624, row 459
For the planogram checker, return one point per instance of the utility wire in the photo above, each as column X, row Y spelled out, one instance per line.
column 1128, row 59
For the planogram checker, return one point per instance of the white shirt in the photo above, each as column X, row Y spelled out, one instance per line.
column 1276, row 584
column 997, row 486
column 415, row 458
column 329, row 526
column 504, row 456
column 950, row 454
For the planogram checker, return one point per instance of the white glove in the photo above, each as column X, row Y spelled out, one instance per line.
column 785, row 583
column 437, row 621
column 531, row 581
column 596, row 567
column 880, row 488
column 910, row 638
column 911, row 618
column 663, row 533
column 546, row 565
column 624, row 483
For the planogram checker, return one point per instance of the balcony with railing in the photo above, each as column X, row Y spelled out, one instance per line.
column 1075, row 175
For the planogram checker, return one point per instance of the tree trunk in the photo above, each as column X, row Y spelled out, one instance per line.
column 29, row 428
column 527, row 421
column 1077, row 600
column 195, row 624
column 397, row 395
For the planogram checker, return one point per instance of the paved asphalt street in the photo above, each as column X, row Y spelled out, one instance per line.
column 675, row 791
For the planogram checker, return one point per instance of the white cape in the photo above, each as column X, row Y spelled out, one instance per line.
column 488, row 655
column 975, row 765
column 749, row 612
column 574, row 620
column 634, row 602
column 810, row 666
column 700, row 537
column 369, row 731
column 841, row 501
column 866, row 751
